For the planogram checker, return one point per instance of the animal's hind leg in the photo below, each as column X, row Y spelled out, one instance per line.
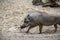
column 40, row 28
column 55, row 25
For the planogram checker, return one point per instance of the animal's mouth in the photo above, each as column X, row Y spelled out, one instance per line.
column 23, row 26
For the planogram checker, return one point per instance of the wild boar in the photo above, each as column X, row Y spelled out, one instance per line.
column 38, row 18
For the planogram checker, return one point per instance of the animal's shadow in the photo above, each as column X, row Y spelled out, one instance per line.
column 50, row 32
column 45, row 32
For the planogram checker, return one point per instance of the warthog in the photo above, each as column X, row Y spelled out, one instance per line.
column 38, row 18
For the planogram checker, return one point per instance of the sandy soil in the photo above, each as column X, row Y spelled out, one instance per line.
column 12, row 13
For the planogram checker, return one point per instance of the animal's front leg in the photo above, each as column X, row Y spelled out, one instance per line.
column 29, row 28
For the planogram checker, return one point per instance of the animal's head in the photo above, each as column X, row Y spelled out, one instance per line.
column 25, row 23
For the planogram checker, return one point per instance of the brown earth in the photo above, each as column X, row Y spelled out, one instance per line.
column 12, row 13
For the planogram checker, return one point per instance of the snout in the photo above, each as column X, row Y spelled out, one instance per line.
column 22, row 26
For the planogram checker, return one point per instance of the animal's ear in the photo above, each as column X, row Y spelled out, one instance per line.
column 26, row 20
column 28, row 15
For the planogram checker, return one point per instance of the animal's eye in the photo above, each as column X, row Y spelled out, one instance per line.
column 26, row 21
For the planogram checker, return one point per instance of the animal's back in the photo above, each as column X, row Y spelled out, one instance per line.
column 42, row 17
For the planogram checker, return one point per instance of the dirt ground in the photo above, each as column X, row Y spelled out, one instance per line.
column 12, row 13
